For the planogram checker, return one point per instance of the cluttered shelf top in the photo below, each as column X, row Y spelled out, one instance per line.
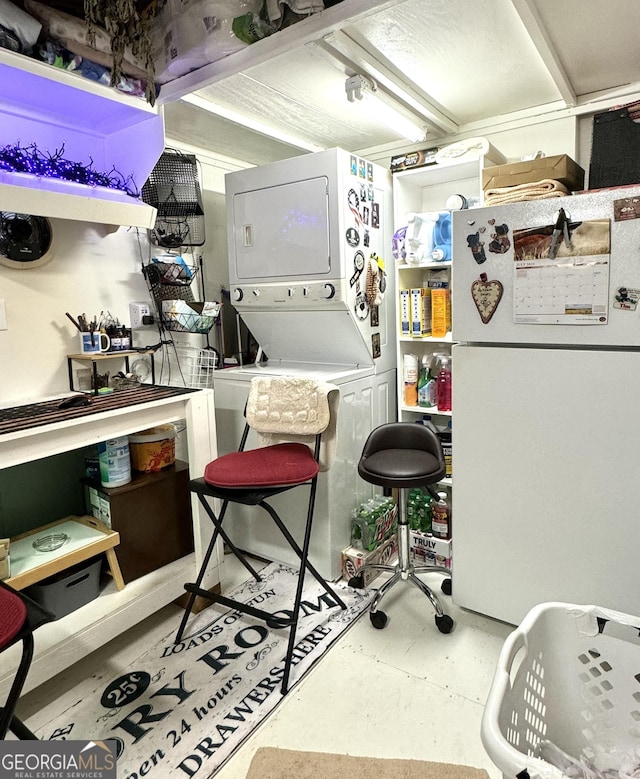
column 47, row 412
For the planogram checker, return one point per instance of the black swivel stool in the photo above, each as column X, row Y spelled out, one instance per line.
column 404, row 455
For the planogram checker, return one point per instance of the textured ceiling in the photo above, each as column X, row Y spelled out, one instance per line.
column 456, row 66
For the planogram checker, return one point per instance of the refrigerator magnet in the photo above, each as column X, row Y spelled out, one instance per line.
column 352, row 236
column 626, row 298
column 499, row 243
column 477, row 247
column 376, row 349
column 358, row 266
column 486, row 295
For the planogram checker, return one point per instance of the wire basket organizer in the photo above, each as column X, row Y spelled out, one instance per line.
column 565, row 698
column 195, row 365
column 170, row 286
column 173, row 188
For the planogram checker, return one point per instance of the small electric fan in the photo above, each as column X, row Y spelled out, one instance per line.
column 24, row 239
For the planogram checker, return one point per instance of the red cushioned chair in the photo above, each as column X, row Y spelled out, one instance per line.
column 19, row 617
column 295, row 419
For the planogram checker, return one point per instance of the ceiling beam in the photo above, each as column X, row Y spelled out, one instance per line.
column 356, row 53
column 533, row 24
column 287, row 39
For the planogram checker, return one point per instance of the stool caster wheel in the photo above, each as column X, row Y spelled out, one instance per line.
column 357, row 582
column 446, row 586
column 378, row 619
column 444, row 623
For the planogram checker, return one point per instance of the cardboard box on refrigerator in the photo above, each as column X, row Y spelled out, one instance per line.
column 353, row 559
column 428, row 550
column 558, row 168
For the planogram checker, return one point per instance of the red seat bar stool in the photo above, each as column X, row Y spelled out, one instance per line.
column 19, row 617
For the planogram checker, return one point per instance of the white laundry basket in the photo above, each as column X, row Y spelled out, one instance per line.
column 565, row 698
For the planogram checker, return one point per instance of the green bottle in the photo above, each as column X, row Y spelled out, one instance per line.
column 424, row 379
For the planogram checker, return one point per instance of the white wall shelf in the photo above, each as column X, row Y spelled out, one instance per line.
column 85, row 122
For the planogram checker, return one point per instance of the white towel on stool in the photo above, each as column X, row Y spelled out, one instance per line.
column 295, row 408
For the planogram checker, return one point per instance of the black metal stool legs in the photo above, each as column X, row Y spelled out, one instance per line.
column 195, row 589
column 273, row 620
column 8, row 721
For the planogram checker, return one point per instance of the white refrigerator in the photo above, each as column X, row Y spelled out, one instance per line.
column 546, row 397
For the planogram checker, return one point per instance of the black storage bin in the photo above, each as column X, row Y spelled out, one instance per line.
column 66, row 591
column 615, row 148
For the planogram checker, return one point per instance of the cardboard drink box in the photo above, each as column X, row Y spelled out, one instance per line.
column 428, row 550
column 559, row 168
column 414, row 159
column 353, row 559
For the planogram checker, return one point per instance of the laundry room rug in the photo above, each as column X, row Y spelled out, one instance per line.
column 181, row 710
column 271, row 763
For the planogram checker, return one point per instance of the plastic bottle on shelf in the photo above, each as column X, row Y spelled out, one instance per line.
column 444, row 386
column 410, row 365
column 413, row 500
column 441, row 517
column 427, row 421
column 425, row 393
column 446, row 438
column 424, row 512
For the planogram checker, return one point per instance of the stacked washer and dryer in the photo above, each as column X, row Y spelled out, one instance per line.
column 310, row 274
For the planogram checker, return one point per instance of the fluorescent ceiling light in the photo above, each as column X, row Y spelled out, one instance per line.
column 360, row 88
column 249, row 123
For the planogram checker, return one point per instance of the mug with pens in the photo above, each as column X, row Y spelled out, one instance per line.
column 92, row 340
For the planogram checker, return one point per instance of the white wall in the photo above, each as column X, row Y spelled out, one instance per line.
column 90, row 271
column 552, row 137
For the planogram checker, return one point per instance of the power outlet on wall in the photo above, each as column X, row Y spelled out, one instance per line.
column 137, row 312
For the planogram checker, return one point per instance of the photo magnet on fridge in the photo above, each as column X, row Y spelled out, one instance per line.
column 626, row 208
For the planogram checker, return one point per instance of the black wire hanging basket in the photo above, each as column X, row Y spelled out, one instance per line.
column 173, row 188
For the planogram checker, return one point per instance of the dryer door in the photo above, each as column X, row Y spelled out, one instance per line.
column 281, row 233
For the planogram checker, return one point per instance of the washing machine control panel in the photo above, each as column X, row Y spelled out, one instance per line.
column 298, row 295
